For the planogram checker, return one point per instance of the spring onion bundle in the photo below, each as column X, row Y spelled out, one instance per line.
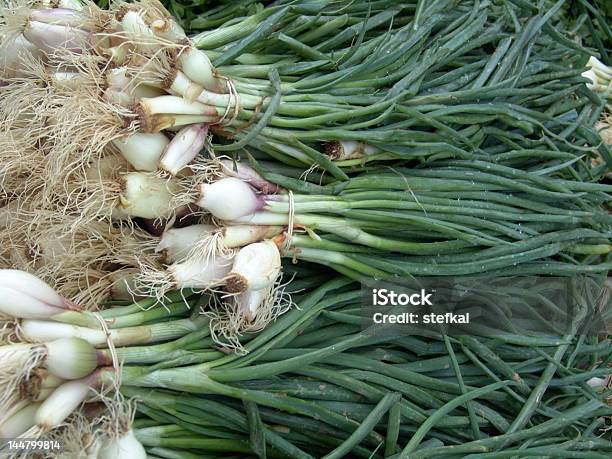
column 176, row 302
column 372, row 392
column 415, row 107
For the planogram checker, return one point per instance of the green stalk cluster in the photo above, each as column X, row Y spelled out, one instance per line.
column 415, row 82
column 318, row 384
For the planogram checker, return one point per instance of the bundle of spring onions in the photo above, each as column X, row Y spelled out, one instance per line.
column 314, row 384
column 526, row 148
column 172, row 199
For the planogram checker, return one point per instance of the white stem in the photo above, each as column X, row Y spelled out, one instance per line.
column 602, row 74
column 58, row 16
column 143, row 151
column 249, row 175
column 19, row 422
column 249, row 302
column 226, row 100
column 198, row 68
column 183, row 148
column 51, row 37
column 61, row 403
column 600, row 67
column 241, row 235
column 31, row 285
column 176, row 243
column 133, row 25
column 176, row 105
column 123, row 447
column 590, row 75
column 200, row 272
column 157, row 123
column 71, row 358
column 262, row 218
column 23, row 295
column 44, row 331
column 228, row 198
column 117, row 78
column 38, row 331
column 184, row 87
column 14, row 55
column 255, row 267
column 147, row 196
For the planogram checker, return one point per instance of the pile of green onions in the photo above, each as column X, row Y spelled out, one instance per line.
column 370, row 139
column 317, row 384
column 524, row 148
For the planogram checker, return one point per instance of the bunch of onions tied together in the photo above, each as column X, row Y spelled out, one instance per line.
column 153, row 79
column 54, row 357
column 73, row 51
column 241, row 262
column 96, row 160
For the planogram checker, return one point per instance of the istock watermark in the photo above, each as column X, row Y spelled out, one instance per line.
column 384, row 297
column 488, row 306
